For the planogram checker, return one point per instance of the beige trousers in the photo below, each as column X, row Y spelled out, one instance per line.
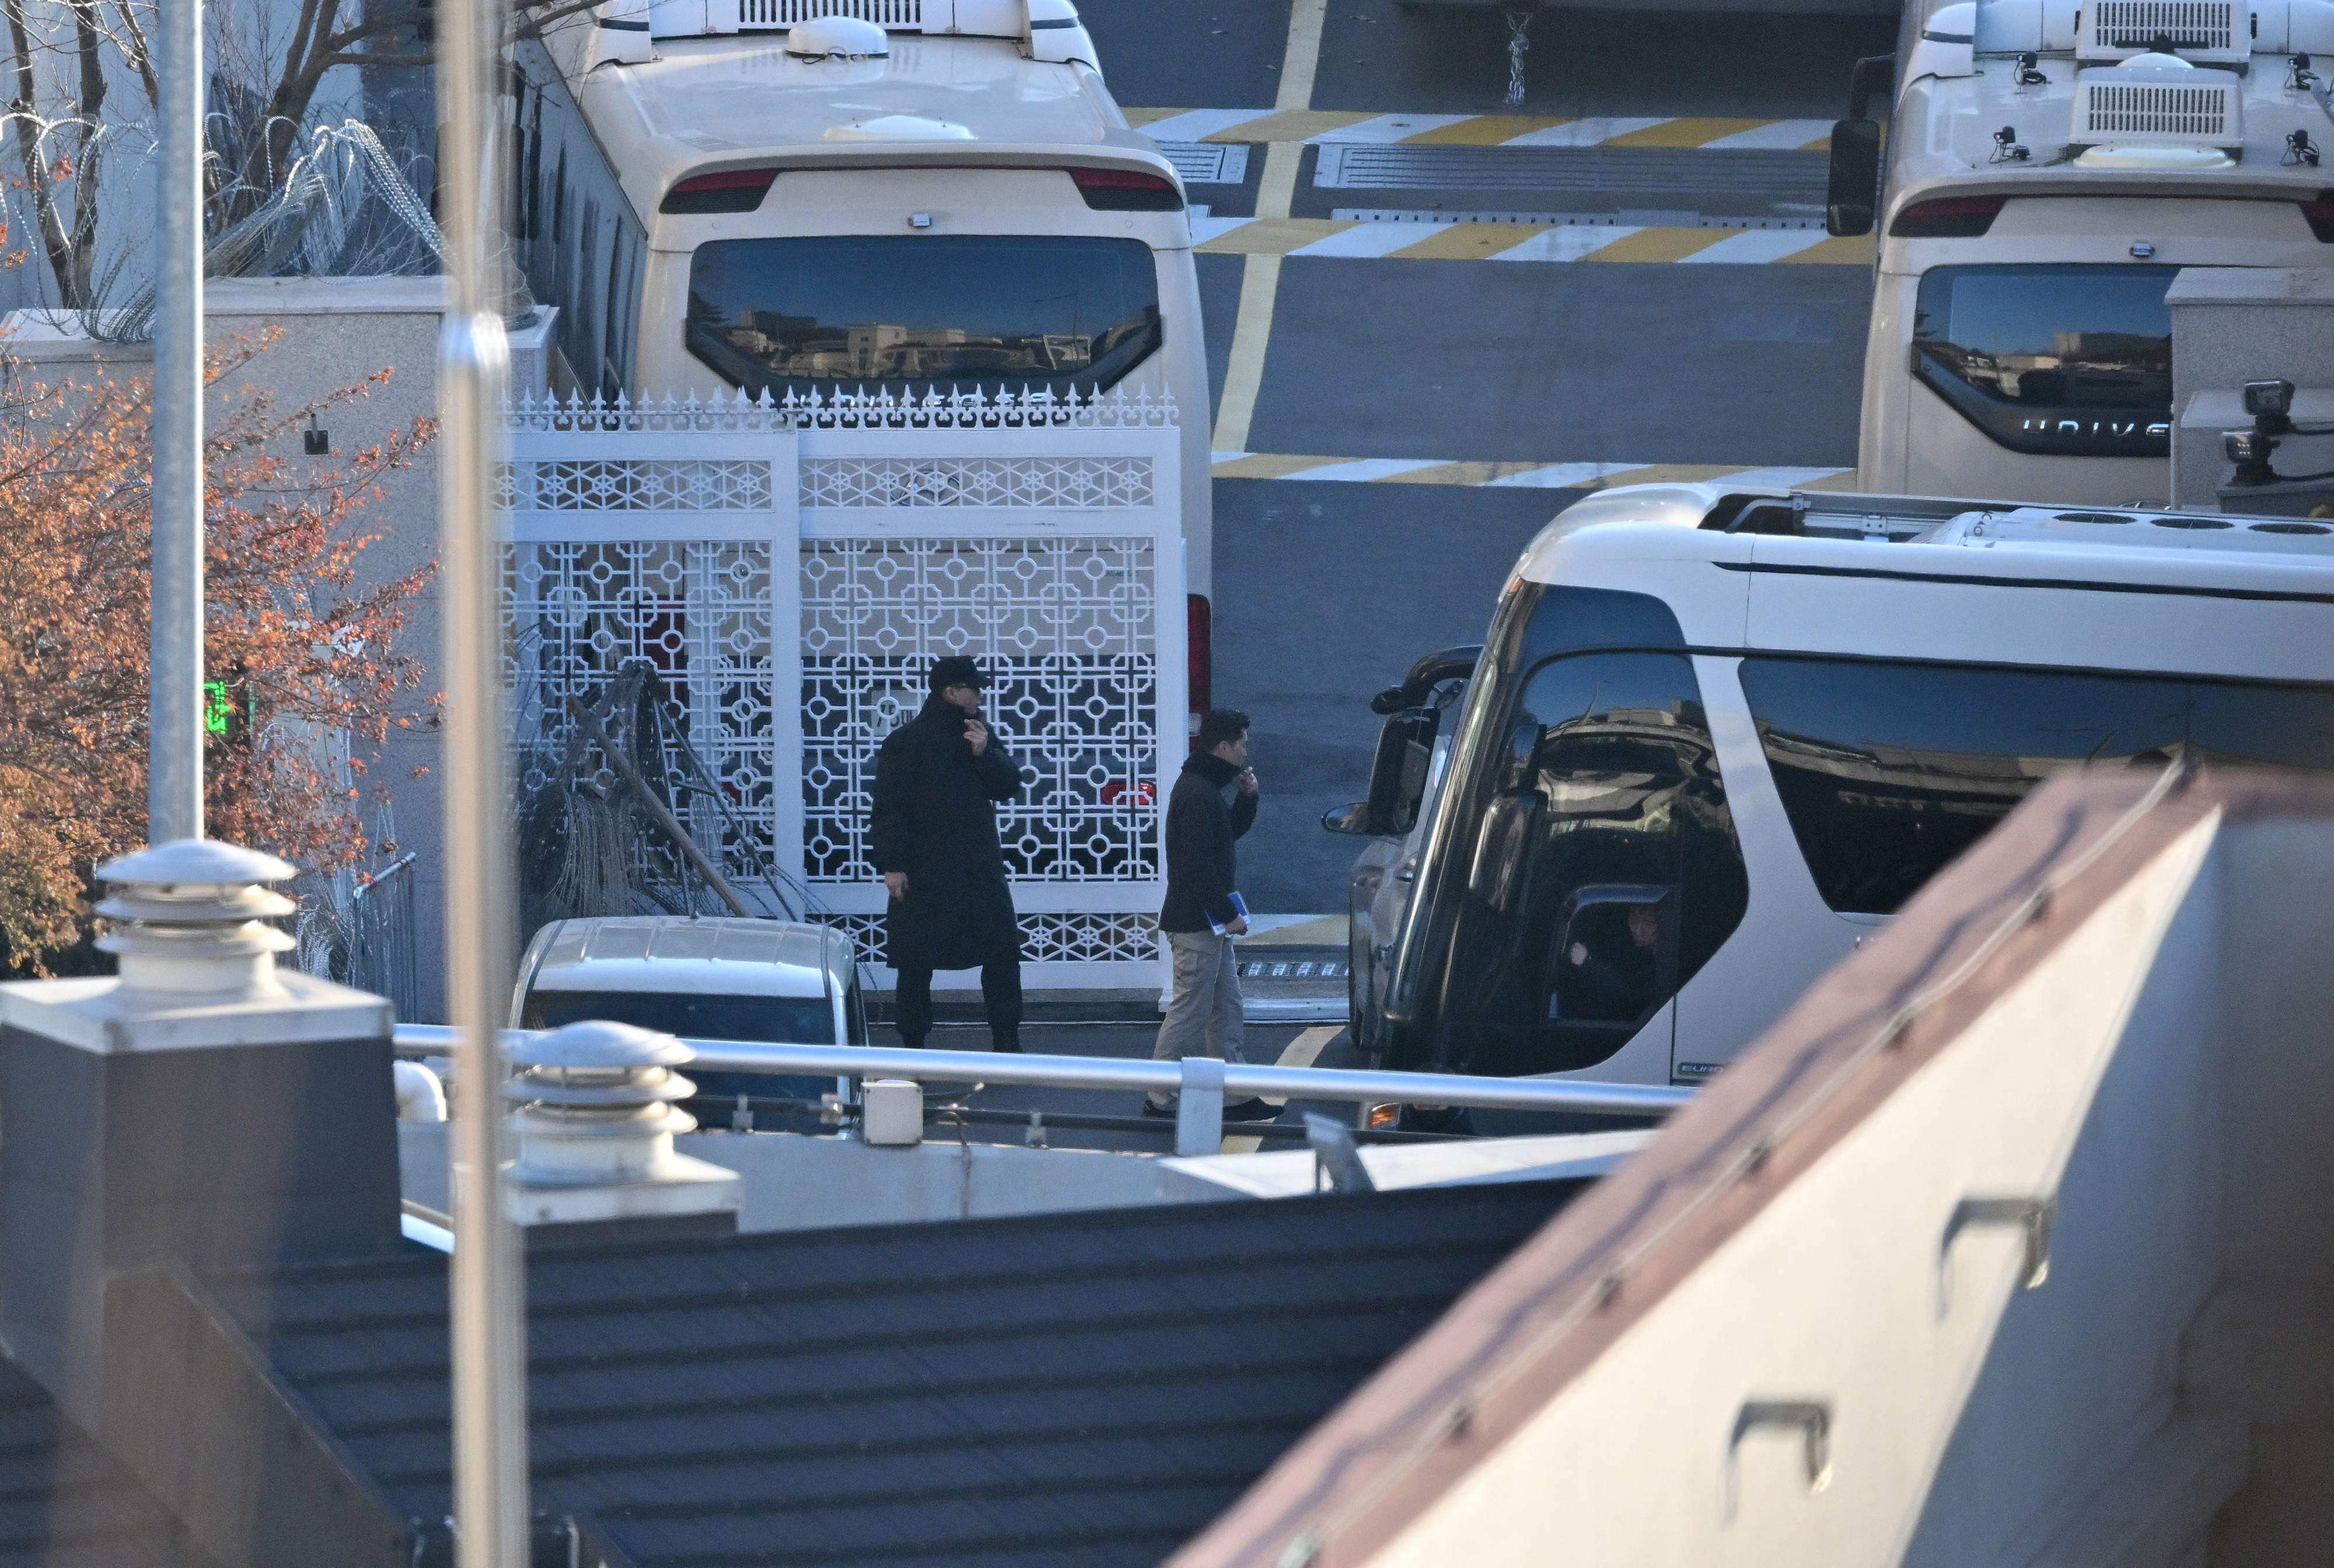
column 1203, row 1017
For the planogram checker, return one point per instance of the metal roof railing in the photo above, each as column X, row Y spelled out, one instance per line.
column 1200, row 1084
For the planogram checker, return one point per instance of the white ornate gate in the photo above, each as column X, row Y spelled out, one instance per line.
column 791, row 570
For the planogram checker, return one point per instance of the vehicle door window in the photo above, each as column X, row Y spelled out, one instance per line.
column 1605, row 869
column 1888, row 771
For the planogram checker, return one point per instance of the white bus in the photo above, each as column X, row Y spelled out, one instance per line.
column 2051, row 165
column 824, row 197
column 1712, row 739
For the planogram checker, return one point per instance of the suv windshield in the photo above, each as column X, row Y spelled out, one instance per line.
column 2063, row 360
column 950, row 312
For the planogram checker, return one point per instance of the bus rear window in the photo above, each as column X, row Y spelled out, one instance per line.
column 950, row 312
column 2062, row 361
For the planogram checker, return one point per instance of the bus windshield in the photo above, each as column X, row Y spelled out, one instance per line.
column 2063, row 360
column 946, row 311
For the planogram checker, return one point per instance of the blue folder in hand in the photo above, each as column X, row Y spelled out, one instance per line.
column 1239, row 906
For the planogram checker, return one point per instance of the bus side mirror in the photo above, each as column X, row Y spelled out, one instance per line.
column 1852, row 189
column 1398, row 772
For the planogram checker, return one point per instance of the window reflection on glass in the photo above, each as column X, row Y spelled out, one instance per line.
column 2055, row 337
column 1605, row 869
column 778, row 1020
column 1888, row 771
column 946, row 310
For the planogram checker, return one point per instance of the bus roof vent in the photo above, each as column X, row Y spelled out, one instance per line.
column 2149, row 106
column 2184, row 531
column 838, row 38
column 776, row 15
column 2210, row 30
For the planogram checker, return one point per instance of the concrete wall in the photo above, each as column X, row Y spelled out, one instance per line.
column 1842, row 1291
column 2231, row 325
column 336, row 332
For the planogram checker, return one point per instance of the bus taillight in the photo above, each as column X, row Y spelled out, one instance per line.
column 1946, row 217
column 729, row 190
column 1126, row 190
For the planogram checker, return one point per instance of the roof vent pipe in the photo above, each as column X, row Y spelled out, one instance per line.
column 595, row 1118
column 190, row 917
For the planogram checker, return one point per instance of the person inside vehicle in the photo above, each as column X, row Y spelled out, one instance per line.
column 1610, row 974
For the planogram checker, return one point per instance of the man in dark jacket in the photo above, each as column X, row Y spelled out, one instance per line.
column 932, row 832
column 1200, row 916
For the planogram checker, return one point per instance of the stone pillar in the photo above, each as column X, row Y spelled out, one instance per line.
column 199, row 1109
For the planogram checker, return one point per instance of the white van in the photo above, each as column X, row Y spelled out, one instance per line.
column 824, row 197
column 785, row 982
column 2051, row 165
column 1714, row 738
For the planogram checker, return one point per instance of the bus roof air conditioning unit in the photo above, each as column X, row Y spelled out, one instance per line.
column 2218, row 31
column 2149, row 106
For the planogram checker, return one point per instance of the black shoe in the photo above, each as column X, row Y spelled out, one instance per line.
column 1252, row 1110
column 1151, row 1110
column 1011, row 1042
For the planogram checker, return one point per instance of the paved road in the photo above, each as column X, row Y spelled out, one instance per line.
column 1649, row 123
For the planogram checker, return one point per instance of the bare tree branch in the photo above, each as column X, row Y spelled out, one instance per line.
column 54, row 242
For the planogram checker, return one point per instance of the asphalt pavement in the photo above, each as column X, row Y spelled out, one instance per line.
column 1442, row 312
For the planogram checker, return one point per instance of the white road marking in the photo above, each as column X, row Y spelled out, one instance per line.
column 1788, row 135
column 1758, row 244
column 1589, row 132
column 1570, row 244
column 1365, row 468
column 1369, row 240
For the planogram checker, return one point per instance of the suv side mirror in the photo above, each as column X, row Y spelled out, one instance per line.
column 1853, row 190
column 1352, row 819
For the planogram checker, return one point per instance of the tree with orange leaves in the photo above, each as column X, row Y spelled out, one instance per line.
column 303, row 647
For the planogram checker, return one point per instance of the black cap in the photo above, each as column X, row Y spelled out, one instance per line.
column 956, row 669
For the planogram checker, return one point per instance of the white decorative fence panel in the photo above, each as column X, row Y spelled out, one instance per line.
column 792, row 571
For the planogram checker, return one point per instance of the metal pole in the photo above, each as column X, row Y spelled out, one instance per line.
column 488, row 1283
column 174, row 738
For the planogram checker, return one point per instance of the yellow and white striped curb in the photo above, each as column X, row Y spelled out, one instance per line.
column 1522, row 475
column 1521, row 242
column 1320, row 125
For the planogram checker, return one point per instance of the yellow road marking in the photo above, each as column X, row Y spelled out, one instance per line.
column 1303, row 56
column 1251, row 332
column 1288, row 125
column 1851, row 248
column 1301, row 1051
column 1659, row 245
column 1486, row 129
column 1285, row 465
column 1267, row 466
column 1468, row 241
column 1291, row 122
column 1690, row 132
column 1270, row 236
column 1260, row 274
column 1459, row 473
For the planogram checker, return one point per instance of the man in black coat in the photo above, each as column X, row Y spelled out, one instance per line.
column 932, row 832
column 1200, row 916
